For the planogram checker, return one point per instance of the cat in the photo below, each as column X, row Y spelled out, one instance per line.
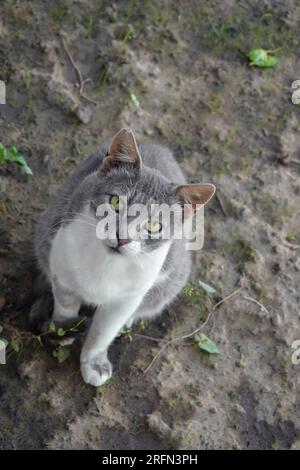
column 125, row 279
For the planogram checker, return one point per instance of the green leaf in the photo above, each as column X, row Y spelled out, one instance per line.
column 52, row 327
column 187, row 290
column 143, row 324
column 15, row 345
column 61, row 332
column 207, row 288
column 12, row 151
column 193, row 295
column 261, row 58
column 75, row 327
column 61, row 353
column 129, row 36
column 206, row 344
column 12, row 155
column 135, row 100
column 267, row 14
column 39, row 340
column 27, row 170
column 4, row 340
column 20, row 160
column 3, row 152
column 126, row 332
column 1, row 328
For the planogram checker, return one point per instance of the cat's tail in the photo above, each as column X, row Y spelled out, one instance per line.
column 42, row 303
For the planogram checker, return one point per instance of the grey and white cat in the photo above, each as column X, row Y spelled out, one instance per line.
column 126, row 280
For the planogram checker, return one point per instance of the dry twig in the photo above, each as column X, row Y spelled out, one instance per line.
column 150, row 338
column 189, row 335
column 81, row 81
column 262, row 307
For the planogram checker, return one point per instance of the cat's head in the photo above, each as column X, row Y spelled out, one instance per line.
column 133, row 201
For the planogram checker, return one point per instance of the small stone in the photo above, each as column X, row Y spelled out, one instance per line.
column 158, row 425
column 276, row 320
column 239, row 408
column 149, row 132
column 240, row 363
column 265, row 132
column 84, row 114
column 46, row 159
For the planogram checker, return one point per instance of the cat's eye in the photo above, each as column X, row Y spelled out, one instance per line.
column 153, row 226
column 116, row 203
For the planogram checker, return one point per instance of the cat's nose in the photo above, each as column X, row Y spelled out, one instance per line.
column 122, row 241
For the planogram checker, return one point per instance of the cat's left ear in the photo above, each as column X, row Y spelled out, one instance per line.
column 194, row 195
column 123, row 150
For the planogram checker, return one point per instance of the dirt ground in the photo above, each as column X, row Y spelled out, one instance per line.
column 175, row 72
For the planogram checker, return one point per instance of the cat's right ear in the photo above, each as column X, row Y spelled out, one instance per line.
column 194, row 196
column 123, row 150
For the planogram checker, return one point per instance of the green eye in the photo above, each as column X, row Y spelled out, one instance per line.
column 115, row 202
column 154, row 227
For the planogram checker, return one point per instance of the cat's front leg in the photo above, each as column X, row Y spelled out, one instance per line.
column 66, row 303
column 107, row 322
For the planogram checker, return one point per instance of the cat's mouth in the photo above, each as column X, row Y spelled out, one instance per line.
column 130, row 248
column 115, row 249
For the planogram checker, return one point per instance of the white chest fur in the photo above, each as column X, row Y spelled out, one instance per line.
column 83, row 264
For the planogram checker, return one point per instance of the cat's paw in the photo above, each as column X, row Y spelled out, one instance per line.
column 97, row 371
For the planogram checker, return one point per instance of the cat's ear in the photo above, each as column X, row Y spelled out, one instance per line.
column 194, row 196
column 123, row 150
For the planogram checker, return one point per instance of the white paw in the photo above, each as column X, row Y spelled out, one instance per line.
column 97, row 371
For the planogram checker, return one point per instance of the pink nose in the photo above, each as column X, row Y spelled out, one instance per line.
column 122, row 241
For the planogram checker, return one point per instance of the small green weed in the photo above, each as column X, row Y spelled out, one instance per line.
column 11, row 155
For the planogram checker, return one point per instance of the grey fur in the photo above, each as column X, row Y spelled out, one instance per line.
column 149, row 175
column 159, row 176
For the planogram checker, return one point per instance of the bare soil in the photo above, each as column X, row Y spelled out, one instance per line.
column 228, row 123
